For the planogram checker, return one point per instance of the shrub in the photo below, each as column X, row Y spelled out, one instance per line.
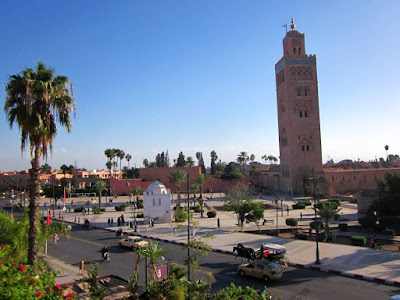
column 301, row 236
column 358, row 240
column 321, row 204
column 96, row 209
column 274, row 232
column 335, row 200
column 140, row 203
column 321, row 236
column 330, row 237
column 120, row 208
column 388, row 231
column 180, row 215
column 368, row 221
column 343, row 227
column 139, row 215
column 298, row 206
column 197, row 208
column 79, row 209
column 212, row 214
column 306, row 202
column 315, row 224
column 291, row 222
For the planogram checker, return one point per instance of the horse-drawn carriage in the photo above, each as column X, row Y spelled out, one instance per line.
column 271, row 252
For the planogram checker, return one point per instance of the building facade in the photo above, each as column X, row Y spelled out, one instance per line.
column 298, row 114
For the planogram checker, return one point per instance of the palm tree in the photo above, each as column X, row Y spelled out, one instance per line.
column 128, row 157
column 264, row 158
column 113, row 153
column 252, row 157
column 242, row 159
column 154, row 253
column 386, row 148
column 108, row 153
column 64, row 169
column 201, row 180
column 120, row 155
column 190, row 161
column 177, row 178
column 36, row 100
column 327, row 212
column 100, row 186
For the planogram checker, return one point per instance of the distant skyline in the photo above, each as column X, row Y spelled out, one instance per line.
column 151, row 76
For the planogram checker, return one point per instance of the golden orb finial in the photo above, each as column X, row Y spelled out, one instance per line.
column 292, row 25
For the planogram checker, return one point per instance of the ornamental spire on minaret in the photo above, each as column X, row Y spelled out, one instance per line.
column 292, row 25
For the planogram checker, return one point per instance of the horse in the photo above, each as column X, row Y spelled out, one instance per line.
column 244, row 252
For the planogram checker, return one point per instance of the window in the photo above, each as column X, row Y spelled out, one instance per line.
column 333, row 179
column 302, row 147
column 154, row 201
column 354, row 178
column 343, row 178
column 305, row 92
column 159, row 201
column 305, row 114
column 294, row 50
column 260, row 266
column 299, row 50
column 301, row 114
column 308, row 148
column 298, row 92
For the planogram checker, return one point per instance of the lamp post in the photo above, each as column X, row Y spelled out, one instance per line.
column 188, row 233
column 317, row 261
column 54, row 197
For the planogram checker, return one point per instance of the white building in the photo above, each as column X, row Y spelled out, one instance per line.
column 157, row 203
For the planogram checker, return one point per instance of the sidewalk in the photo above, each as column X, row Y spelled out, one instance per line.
column 358, row 262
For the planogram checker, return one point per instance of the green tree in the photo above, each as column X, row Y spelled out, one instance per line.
column 190, row 161
column 239, row 201
column 145, row 163
column 100, row 186
column 252, row 157
column 199, row 156
column 388, row 202
column 128, row 158
column 108, row 153
column 201, row 180
column 214, row 158
column 154, row 253
column 181, row 160
column 242, row 159
column 255, row 214
column 64, row 169
column 177, row 178
column 46, row 168
column 35, row 101
column 327, row 212
column 264, row 158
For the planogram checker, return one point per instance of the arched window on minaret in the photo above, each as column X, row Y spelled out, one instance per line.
column 294, row 50
column 306, row 92
column 299, row 50
column 298, row 92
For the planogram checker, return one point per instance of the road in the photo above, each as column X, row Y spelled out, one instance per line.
column 300, row 283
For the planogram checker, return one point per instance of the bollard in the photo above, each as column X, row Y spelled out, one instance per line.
column 75, row 219
column 81, row 266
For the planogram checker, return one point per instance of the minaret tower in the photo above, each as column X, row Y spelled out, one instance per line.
column 298, row 114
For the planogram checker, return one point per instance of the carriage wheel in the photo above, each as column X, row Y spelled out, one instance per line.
column 266, row 279
column 241, row 273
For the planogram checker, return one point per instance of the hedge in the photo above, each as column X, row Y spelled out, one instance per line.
column 335, row 200
column 79, row 209
column 274, row 232
column 212, row 214
column 139, row 215
column 120, row 208
column 322, row 203
column 301, row 236
column 358, row 240
column 306, row 202
column 388, row 231
column 314, row 225
column 298, row 206
column 343, row 227
column 291, row 222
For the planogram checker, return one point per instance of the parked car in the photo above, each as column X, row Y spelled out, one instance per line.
column 265, row 270
column 134, row 242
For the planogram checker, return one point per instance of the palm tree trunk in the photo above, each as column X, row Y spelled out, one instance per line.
column 34, row 207
column 100, row 199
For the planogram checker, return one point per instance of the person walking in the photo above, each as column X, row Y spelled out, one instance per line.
column 55, row 239
column 109, row 221
column 218, row 223
column 112, row 221
column 122, row 219
column 152, row 223
column 301, row 216
column 287, row 209
column 119, row 221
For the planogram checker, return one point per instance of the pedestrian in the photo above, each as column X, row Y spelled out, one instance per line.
column 152, row 223
column 287, row 209
column 45, row 206
column 122, row 219
column 193, row 232
column 72, row 202
column 309, row 232
column 112, row 220
column 119, row 221
column 174, row 231
column 301, row 216
column 218, row 223
column 88, row 211
column 109, row 221
column 55, row 238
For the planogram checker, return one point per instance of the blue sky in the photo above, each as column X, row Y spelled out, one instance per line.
column 151, row 76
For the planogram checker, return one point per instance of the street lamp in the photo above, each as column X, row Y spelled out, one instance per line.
column 317, row 261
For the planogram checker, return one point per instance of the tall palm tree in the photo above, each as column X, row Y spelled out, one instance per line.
column 120, row 155
column 252, row 157
column 242, row 159
column 327, row 212
column 190, row 161
column 154, row 253
column 201, row 180
column 264, row 158
column 108, row 153
column 177, row 178
column 128, row 157
column 100, row 186
column 36, row 101
column 113, row 153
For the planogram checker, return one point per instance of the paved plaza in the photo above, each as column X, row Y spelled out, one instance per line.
column 359, row 262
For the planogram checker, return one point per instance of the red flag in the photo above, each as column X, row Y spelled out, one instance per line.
column 64, row 196
column 48, row 219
